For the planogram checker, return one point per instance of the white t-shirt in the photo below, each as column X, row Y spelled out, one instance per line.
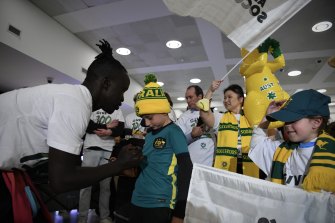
column 201, row 149
column 263, row 148
column 32, row 119
column 133, row 122
column 104, row 142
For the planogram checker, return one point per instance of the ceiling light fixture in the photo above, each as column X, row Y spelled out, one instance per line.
column 181, row 99
column 173, row 44
column 331, row 104
column 160, row 83
column 322, row 26
column 294, row 73
column 123, row 51
column 322, row 90
column 195, row 80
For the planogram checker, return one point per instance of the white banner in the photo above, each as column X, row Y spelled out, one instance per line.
column 246, row 22
column 218, row 196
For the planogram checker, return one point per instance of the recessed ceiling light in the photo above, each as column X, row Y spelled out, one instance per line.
column 173, row 44
column 294, row 73
column 195, row 80
column 215, row 108
column 322, row 26
column 181, row 99
column 322, row 90
column 123, row 51
column 160, row 83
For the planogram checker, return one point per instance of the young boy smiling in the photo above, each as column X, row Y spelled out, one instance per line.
column 306, row 158
column 161, row 189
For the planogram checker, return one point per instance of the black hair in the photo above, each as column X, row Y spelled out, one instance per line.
column 197, row 89
column 236, row 89
column 105, row 65
column 169, row 99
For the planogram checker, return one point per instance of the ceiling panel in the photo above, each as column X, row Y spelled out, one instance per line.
column 206, row 53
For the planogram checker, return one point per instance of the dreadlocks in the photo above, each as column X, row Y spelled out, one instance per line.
column 105, row 65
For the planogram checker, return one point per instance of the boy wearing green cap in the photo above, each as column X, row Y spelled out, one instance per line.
column 161, row 189
column 305, row 159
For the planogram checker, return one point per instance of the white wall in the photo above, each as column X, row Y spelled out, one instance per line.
column 45, row 40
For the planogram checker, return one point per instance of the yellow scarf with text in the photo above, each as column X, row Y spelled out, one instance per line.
column 321, row 173
column 226, row 152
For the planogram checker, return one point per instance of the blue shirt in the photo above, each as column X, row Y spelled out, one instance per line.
column 156, row 185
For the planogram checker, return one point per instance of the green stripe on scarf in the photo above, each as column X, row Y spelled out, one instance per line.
column 321, row 173
column 226, row 152
column 282, row 154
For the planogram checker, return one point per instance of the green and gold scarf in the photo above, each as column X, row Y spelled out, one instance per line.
column 321, row 173
column 226, row 152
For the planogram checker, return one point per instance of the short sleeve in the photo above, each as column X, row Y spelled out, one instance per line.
column 178, row 140
column 217, row 118
column 67, row 124
column 262, row 149
column 119, row 116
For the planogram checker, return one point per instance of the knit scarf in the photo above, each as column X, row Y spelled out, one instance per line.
column 226, row 152
column 321, row 173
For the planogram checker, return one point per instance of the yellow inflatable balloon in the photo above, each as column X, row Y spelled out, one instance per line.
column 262, row 86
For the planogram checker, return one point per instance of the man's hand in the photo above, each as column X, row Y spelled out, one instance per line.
column 197, row 131
column 103, row 132
column 129, row 156
column 177, row 220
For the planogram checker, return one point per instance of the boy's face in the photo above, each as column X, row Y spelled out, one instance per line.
column 156, row 121
column 303, row 130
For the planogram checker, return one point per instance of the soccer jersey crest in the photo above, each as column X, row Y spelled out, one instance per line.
column 159, row 143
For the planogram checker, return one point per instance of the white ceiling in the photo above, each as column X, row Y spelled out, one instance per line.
column 144, row 26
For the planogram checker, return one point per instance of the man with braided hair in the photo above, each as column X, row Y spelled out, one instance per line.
column 50, row 121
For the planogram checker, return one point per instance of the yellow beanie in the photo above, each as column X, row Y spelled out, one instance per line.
column 151, row 100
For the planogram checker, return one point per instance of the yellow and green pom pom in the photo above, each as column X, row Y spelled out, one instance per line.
column 150, row 78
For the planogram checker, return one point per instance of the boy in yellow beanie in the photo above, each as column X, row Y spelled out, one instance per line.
column 161, row 189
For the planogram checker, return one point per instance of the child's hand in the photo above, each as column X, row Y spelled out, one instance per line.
column 274, row 106
column 103, row 132
column 112, row 124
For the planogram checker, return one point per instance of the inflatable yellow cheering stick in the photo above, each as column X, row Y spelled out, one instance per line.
column 262, row 86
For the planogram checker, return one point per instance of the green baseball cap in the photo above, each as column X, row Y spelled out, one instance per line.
column 301, row 105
